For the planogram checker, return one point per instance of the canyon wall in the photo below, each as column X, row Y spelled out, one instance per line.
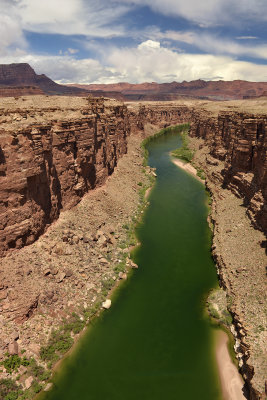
column 240, row 140
column 46, row 167
column 49, row 164
column 159, row 115
column 237, row 138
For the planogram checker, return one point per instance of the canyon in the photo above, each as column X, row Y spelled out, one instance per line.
column 55, row 151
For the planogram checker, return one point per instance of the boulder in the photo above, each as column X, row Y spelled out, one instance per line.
column 13, row 348
column 106, row 304
column 28, row 382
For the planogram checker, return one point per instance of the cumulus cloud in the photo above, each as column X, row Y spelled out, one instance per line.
column 147, row 62
column 155, row 63
column 149, row 44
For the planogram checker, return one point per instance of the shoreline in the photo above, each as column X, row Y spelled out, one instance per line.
column 230, row 379
column 188, row 167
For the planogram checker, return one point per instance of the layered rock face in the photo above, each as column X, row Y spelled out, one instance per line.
column 160, row 115
column 240, row 140
column 48, row 166
column 15, row 91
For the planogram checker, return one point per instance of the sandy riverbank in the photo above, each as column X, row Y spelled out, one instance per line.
column 187, row 167
column 231, row 381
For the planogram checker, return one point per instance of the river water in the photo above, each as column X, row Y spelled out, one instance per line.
column 155, row 343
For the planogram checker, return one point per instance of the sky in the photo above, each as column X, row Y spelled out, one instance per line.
column 108, row 41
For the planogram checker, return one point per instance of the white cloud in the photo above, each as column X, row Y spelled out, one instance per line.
column 145, row 63
column 10, row 29
column 246, row 37
column 213, row 44
column 73, row 51
column 209, row 12
column 73, row 17
column 149, row 44
column 66, row 69
column 160, row 64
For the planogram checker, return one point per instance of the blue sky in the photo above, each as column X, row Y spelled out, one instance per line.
column 107, row 41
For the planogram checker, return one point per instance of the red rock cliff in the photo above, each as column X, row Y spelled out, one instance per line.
column 46, row 167
column 240, row 139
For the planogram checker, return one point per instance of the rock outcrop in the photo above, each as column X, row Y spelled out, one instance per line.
column 158, row 114
column 46, row 167
column 240, row 140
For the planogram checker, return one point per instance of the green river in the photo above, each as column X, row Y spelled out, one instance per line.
column 155, row 343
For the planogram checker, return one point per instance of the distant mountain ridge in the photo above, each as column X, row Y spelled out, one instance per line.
column 20, row 79
column 215, row 90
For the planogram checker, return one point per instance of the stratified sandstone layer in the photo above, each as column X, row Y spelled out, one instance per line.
column 240, row 140
column 16, row 91
column 50, row 157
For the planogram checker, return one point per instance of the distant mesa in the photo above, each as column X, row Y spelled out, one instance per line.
column 20, row 79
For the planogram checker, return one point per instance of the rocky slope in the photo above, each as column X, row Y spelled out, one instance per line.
column 50, row 157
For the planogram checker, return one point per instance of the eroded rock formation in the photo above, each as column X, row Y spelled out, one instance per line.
column 240, row 140
column 48, row 166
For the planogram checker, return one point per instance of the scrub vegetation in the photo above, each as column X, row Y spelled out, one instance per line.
column 184, row 152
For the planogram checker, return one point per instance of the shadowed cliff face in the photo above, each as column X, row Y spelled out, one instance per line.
column 240, row 140
column 48, row 167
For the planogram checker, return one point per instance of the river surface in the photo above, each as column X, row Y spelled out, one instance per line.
column 155, row 343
